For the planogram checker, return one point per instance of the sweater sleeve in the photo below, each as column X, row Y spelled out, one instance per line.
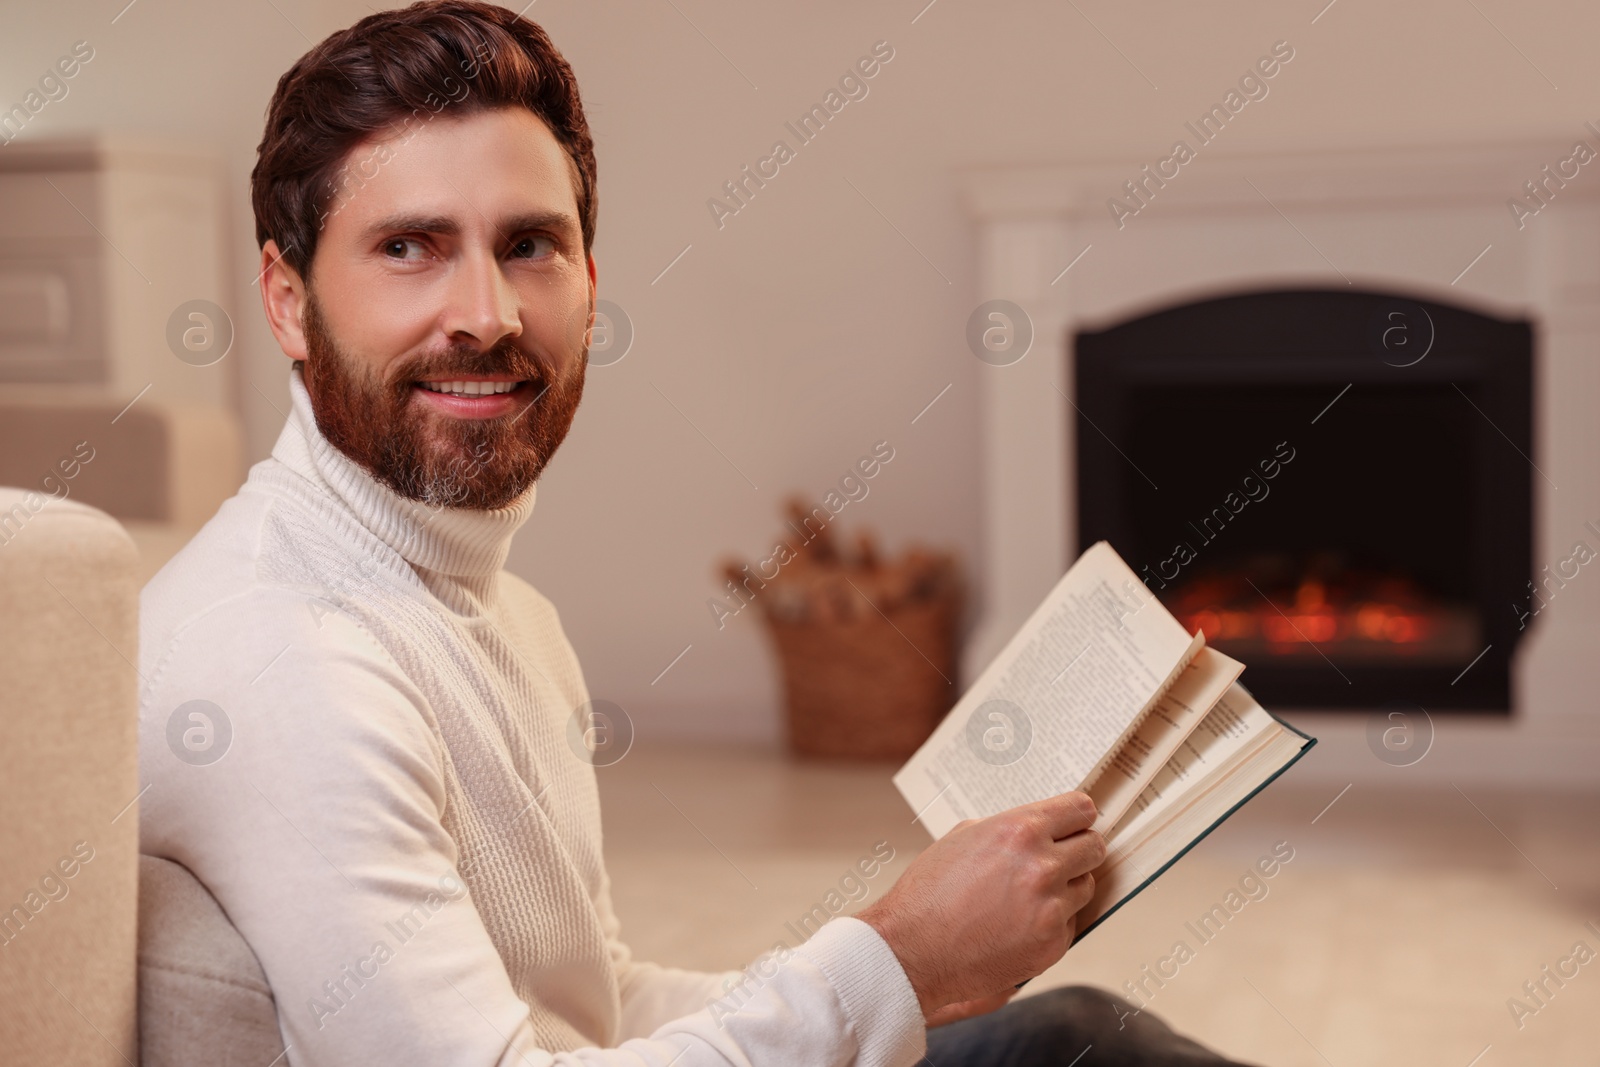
column 662, row 999
column 840, row 998
column 652, row 994
column 308, row 797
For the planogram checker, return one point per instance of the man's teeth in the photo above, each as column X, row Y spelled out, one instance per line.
column 469, row 388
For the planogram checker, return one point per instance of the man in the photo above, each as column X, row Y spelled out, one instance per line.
column 399, row 828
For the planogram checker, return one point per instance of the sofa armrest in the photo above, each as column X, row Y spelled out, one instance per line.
column 68, row 781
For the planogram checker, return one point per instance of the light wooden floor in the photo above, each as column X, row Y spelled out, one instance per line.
column 1395, row 935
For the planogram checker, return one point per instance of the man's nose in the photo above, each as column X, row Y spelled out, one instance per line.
column 483, row 304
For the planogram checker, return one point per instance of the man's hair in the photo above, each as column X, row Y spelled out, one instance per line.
column 395, row 69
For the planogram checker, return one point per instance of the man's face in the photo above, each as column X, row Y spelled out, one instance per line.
column 444, row 323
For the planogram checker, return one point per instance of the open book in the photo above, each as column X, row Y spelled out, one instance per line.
column 1102, row 690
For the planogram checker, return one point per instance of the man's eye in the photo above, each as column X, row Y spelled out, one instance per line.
column 533, row 247
column 396, row 247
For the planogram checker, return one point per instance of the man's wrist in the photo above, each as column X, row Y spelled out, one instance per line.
column 883, row 920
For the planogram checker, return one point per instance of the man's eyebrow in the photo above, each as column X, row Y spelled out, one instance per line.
column 447, row 226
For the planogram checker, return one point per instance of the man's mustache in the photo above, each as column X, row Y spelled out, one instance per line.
column 466, row 363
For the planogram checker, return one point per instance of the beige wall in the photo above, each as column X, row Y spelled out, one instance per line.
column 811, row 325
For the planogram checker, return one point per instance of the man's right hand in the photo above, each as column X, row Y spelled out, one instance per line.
column 993, row 902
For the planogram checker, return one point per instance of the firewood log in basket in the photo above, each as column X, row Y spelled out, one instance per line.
column 866, row 645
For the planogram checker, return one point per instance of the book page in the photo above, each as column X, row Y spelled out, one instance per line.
column 1044, row 717
column 1225, row 732
column 1169, row 724
column 1238, row 748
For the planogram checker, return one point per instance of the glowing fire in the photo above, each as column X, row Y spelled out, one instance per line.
column 1311, row 616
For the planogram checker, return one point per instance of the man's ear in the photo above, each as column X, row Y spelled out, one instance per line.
column 283, row 298
column 594, row 280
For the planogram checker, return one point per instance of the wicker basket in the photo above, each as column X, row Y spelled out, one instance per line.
column 870, row 687
column 867, row 648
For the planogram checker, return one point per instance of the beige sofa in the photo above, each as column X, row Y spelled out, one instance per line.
column 106, row 957
column 68, row 770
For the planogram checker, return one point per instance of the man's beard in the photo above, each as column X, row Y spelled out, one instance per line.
column 435, row 459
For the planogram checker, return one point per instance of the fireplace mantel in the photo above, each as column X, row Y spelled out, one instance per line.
column 1434, row 224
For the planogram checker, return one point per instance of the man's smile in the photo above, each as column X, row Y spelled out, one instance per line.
column 476, row 397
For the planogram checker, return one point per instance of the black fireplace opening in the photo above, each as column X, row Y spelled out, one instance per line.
column 1336, row 486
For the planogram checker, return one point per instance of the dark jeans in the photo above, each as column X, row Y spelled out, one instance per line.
column 1078, row 1025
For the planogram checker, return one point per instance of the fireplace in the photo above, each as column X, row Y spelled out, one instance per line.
column 1333, row 484
column 1426, row 225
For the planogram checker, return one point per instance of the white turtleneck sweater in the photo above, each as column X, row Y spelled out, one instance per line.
column 397, row 823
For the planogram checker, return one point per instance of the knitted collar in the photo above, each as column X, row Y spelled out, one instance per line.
column 462, row 542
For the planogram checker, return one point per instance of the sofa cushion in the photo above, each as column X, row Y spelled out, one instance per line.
column 203, row 998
